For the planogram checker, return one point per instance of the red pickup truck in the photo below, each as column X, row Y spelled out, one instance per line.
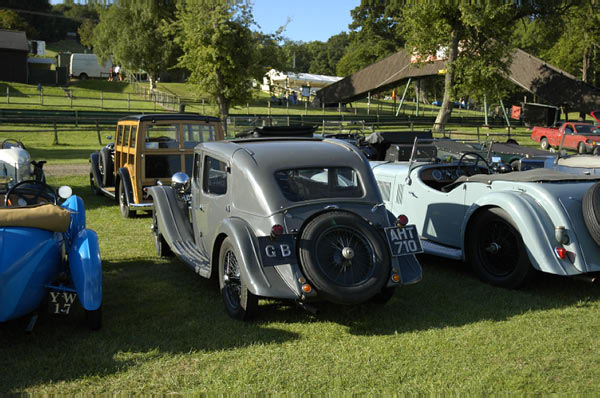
column 582, row 137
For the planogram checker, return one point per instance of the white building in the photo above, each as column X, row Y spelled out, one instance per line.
column 304, row 84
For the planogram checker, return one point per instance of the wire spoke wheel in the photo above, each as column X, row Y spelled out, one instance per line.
column 345, row 256
column 231, row 279
column 496, row 250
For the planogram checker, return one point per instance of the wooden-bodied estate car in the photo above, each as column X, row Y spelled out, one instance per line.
column 148, row 148
column 299, row 219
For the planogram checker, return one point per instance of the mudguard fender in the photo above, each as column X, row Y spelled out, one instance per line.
column 77, row 209
column 173, row 222
column 95, row 168
column 124, row 176
column 277, row 282
column 535, row 227
column 86, row 269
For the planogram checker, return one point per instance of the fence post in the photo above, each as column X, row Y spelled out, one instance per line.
column 478, row 139
column 287, row 107
column 306, row 107
column 247, row 108
column 55, row 135
column 41, row 96
column 8, row 95
column 98, row 133
column 101, row 99
column 269, row 108
column 203, row 106
column 70, row 98
column 76, row 119
column 323, row 108
column 128, row 101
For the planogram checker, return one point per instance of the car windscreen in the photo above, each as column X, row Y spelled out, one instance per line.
column 318, row 183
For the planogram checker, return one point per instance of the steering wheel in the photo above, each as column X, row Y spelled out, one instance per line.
column 11, row 143
column 474, row 164
column 30, row 192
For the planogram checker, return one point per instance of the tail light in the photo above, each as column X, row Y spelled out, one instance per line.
column 276, row 231
column 401, row 221
column 561, row 252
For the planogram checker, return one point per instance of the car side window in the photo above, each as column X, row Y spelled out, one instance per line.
column 119, row 135
column 214, row 176
column 568, row 130
column 125, row 135
column 194, row 134
column 132, row 136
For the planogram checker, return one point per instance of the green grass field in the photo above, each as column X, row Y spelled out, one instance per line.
column 166, row 332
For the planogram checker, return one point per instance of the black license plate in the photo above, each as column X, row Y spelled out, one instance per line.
column 404, row 240
column 277, row 251
column 61, row 302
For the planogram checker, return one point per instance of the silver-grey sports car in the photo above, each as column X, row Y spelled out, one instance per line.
column 505, row 225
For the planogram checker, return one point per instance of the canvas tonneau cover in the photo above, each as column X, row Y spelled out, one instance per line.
column 533, row 175
column 47, row 216
column 508, row 148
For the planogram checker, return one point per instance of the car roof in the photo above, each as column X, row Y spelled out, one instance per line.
column 289, row 152
column 171, row 116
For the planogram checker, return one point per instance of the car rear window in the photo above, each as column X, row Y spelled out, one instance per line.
column 194, row 134
column 162, row 136
column 318, row 183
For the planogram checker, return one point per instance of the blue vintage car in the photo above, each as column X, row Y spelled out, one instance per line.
column 504, row 225
column 48, row 258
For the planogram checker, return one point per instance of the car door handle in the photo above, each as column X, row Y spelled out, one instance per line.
column 199, row 207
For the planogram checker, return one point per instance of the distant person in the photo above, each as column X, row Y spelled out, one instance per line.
column 117, row 71
column 111, row 73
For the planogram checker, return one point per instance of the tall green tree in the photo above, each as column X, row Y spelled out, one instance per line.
column 220, row 50
column 374, row 34
column 475, row 39
column 136, row 35
column 10, row 20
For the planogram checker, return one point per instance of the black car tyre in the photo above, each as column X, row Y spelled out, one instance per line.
column 94, row 319
column 581, row 149
column 344, row 257
column 591, row 211
column 105, row 164
column 162, row 247
column 544, row 143
column 240, row 303
column 596, row 151
column 123, row 204
column 95, row 190
column 496, row 250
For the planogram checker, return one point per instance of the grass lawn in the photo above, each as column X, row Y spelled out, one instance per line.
column 165, row 331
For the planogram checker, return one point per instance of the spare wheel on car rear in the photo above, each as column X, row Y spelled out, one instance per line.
column 591, row 211
column 344, row 257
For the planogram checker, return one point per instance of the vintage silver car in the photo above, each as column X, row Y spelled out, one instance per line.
column 505, row 225
column 287, row 218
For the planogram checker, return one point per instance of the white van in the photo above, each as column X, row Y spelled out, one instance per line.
column 86, row 65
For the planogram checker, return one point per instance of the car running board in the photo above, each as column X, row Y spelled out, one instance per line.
column 189, row 253
column 437, row 249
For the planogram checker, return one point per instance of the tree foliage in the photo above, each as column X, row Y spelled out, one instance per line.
column 136, row 36
column 220, row 50
column 10, row 20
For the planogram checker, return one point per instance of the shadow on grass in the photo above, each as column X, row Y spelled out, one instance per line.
column 449, row 295
column 150, row 308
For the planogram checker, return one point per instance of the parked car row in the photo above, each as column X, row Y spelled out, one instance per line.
column 287, row 214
